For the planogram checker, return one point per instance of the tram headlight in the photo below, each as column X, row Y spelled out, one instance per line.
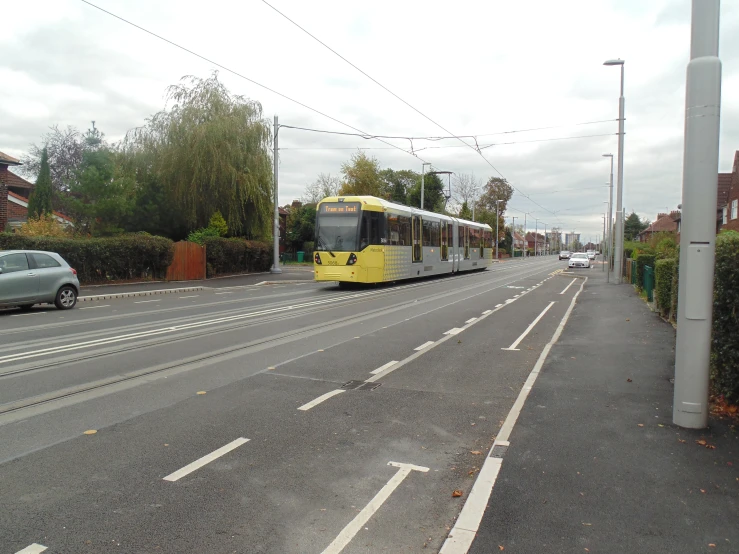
column 352, row 259
column 317, row 259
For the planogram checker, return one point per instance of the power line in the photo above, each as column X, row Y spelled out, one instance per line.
column 475, row 148
column 242, row 76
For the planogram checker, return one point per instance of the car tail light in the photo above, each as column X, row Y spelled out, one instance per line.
column 317, row 259
column 352, row 259
column 73, row 270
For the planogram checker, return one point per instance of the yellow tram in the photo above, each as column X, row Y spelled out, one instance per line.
column 364, row 239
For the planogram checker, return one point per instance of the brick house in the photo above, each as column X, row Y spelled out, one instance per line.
column 14, row 194
column 730, row 207
column 535, row 240
column 665, row 223
column 727, row 200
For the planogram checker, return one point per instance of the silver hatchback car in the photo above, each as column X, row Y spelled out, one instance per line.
column 29, row 277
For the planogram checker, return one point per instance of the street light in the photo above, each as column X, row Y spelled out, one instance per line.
column 610, row 218
column 617, row 261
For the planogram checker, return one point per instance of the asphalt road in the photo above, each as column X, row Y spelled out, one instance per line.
column 285, row 418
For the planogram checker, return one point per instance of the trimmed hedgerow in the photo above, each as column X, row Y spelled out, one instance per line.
column 234, row 255
column 663, row 274
column 99, row 260
column 725, row 338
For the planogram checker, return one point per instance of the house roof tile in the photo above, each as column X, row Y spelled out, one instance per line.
column 13, row 180
column 8, row 160
column 11, row 194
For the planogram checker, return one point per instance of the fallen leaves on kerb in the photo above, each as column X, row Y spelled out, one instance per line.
column 457, row 493
column 703, row 443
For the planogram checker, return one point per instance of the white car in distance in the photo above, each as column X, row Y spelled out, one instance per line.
column 579, row 259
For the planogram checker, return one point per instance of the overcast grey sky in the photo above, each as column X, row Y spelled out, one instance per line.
column 476, row 67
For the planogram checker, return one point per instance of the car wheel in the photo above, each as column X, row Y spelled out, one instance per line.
column 66, row 298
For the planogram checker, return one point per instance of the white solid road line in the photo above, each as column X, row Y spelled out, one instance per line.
column 528, row 329
column 464, row 530
column 383, row 367
column 486, row 312
column 424, row 345
column 95, row 307
column 225, row 292
column 470, row 320
column 145, row 301
column 192, row 296
column 568, row 286
column 317, row 401
column 197, row 464
column 348, row 533
column 453, row 331
column 32, row 549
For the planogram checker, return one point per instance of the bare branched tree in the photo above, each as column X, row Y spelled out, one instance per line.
column 467, row 188
column 325, row 185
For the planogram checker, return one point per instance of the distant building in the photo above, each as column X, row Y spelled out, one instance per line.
column 570, row 239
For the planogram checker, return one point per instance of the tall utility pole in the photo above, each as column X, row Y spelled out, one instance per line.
column 604, row 243
column 525, row 237
column 698, row 236
column 423, row 170
column 610, row 219
column 513, row 238
column 536, row 238
column 497, row 233
column 276, row 231
column 617, row 260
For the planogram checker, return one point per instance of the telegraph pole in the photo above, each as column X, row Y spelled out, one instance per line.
column 698, row 236
column 276, row 229
column 513, row 237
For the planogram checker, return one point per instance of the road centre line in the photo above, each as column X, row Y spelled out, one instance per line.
column 486, row 312
column 353, row 527
column 197, row 464
column 465, row 528
column 424, row 345
column 529, row 328
column 34, row 548
column 453, row 331
column 568, row 286
column 383, row 367
column 95, row 307
column 317, row 401
column 470, row 320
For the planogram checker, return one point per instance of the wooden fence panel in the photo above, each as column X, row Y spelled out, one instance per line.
column 188, row 263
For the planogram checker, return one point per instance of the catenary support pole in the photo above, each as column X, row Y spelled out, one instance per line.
column 276, row 227
column 698, row 233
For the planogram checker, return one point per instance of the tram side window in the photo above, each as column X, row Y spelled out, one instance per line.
column 475, row 238
column 398, row 229
column 373, row 229
column 431, row 233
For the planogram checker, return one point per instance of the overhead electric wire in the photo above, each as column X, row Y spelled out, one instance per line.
column 244, row 77
column 475, row 148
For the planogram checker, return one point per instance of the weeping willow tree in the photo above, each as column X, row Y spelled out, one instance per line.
column 210, row 150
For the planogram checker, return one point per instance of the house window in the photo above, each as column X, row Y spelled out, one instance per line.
column 734, row 206
column 725, row 214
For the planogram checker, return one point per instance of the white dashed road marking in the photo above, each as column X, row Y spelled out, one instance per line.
column 317, row 401
column 197, row 464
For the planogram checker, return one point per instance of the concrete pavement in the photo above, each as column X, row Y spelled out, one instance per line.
column 595, row 463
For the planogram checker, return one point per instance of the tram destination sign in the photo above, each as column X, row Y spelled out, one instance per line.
column 340, row 208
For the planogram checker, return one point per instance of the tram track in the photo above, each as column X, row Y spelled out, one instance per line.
column 237, row 350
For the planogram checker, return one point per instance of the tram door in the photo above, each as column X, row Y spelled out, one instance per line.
column 417, row 237
column 444, row 241
column 466, row 243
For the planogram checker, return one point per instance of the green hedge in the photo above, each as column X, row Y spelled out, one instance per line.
column 99, row 260
column 642, row 259
column 234, row 255
column 725, row 337
column 675, row 286
column 663, row 274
